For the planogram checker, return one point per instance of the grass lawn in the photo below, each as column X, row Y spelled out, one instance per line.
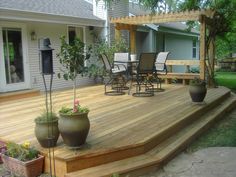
column 223, row 134
column 227, row 79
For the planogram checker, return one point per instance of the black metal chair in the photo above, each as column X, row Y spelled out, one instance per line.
column 160, row 68
column 116, row 79
column 145, row 71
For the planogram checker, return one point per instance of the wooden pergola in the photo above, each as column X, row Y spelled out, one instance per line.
column 203, row 16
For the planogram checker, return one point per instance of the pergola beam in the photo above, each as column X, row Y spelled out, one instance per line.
column 163, row 17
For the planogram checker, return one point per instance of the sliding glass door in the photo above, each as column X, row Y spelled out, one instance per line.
column 13, row 65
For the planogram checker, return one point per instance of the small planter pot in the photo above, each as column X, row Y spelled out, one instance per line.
column 197, row 92
column 74, row 128
column 47, row 133
column 30, row 168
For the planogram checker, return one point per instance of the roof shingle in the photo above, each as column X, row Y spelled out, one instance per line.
column 73, row 8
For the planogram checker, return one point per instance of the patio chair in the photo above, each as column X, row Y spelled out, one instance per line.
column 145, row 70
column 160, row 68
column 121, row 60
column 116, row 79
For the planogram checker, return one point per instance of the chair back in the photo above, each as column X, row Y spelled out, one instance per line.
column 106, row 62
column 161, row 61
column 146, row 63
column 121, row 57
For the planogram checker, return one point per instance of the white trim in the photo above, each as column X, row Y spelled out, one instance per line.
column 22, row 85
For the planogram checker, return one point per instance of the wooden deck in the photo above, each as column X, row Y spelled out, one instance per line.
column 121, row 126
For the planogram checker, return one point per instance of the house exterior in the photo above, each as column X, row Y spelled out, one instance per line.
column 24, row 22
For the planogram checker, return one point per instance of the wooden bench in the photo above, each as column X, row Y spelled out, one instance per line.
column 185, row 77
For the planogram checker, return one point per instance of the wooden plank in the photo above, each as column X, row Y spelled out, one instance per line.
column 18, row 95
column 120, row 126
column 182, row 62
column 163, row 17
column 163, row 152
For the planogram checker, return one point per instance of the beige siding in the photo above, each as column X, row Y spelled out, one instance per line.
column 52, row 31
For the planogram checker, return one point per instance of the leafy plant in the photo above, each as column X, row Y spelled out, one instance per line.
column 22, row 152
column 197, row 81
column 72, row 57
column 96, row 71
column 77, row 109
column 103, row 47
column 46, row 117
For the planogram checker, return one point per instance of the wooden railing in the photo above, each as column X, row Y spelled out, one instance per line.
column 186, row 76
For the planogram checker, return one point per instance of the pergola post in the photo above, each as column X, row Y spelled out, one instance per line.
column 133, row 41
column 117, row 34
column 202, row 47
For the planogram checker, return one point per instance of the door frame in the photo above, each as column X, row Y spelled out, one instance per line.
column 4, row 87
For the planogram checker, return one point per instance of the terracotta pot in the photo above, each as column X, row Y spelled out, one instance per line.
column 74, row 128
column 197, row 92
column 30, row 168
column 47, row 133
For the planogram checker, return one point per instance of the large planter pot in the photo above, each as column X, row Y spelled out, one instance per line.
column 47, row 133
column 30, row 168
column 197, row 92
column 74, row 128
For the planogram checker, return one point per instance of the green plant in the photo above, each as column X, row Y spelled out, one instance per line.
column 46, row 117
column 77, row 109
column 22, row 152
column 96, row 71
column 197, row 81
column 103, row 47
column 72, row 58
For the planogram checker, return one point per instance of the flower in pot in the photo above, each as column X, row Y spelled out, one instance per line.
column 22, row 160
column 73, row 122
column 197, row 89
column 46, row 129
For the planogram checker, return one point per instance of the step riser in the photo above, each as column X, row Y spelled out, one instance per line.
column 184, row 122
column 186, row 143
column 141, row 149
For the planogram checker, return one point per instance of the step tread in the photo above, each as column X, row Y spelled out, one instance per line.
column 161, row 152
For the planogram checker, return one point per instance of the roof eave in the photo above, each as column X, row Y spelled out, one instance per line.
column 10, row 14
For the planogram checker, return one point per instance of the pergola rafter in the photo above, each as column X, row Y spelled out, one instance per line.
column 194, row 15
column 203, row 16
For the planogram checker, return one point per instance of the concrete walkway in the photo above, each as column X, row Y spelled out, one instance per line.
column 209, row 162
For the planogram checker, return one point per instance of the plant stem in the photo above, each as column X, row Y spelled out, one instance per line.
column 74, row 87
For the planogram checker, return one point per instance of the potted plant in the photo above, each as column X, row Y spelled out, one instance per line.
column 73, row 122
column 46, row 129
column 22, row 160
column 197, row 89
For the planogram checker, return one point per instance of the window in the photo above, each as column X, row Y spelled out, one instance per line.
column 75, row 32
column 194, row 49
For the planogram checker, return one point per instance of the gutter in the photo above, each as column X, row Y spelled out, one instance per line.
column 19, row 15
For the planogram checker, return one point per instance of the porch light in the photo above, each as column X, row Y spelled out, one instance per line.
column 33, row 36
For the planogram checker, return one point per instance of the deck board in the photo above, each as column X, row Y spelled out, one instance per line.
column 117, row 122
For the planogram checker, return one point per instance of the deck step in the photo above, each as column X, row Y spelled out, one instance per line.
column 9, row 96
column 164, row 151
